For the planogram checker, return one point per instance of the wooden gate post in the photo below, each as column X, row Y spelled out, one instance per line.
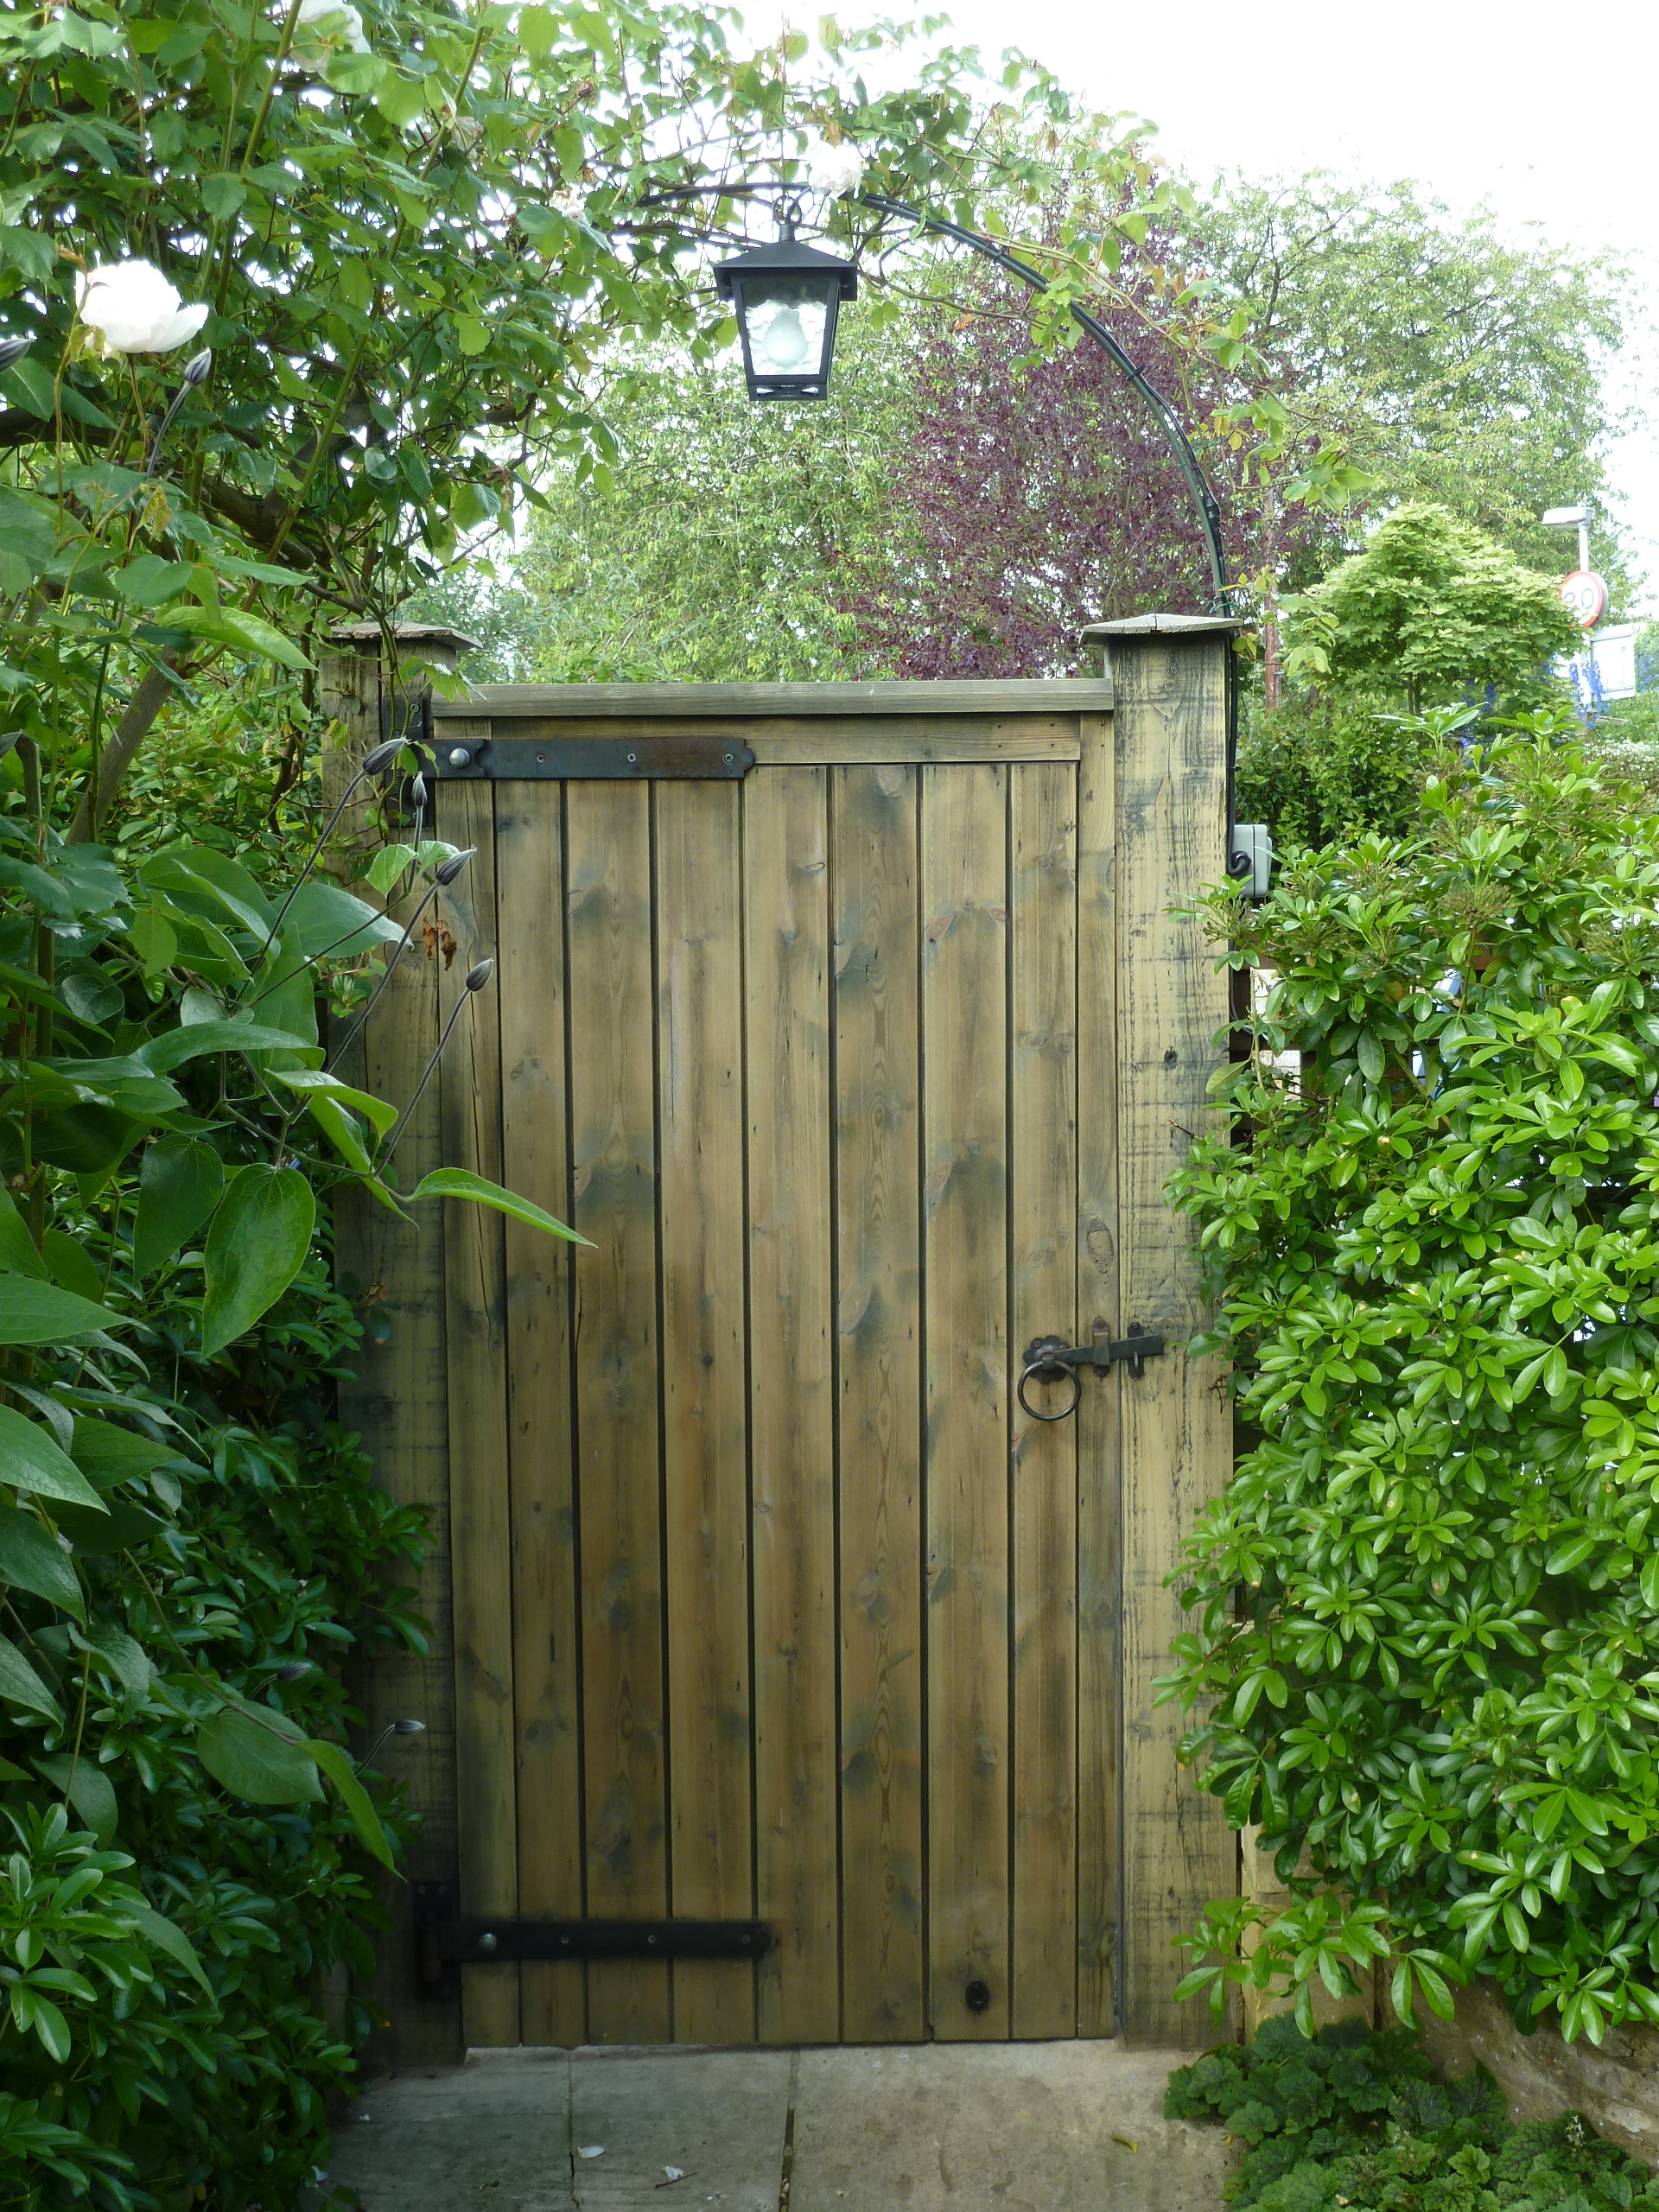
column 397, row 1404
column 1169, row 682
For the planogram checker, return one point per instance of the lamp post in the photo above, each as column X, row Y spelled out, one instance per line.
column 786, row 297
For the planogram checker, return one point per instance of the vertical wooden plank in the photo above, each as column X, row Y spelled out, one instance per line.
column 613, row 1117
column 530, row 867
column 1099, row 1609
column 480, row 1517
column 878, row 1320
column 1177, row 1441
column 965, row 1111
column 787, row 1048
column 705, row 1395
column 398, row 1406
column 1042, row 926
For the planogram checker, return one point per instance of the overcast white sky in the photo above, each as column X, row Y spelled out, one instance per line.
column 1548, row 112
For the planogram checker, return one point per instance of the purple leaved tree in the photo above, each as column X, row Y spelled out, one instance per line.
column 1039, row 494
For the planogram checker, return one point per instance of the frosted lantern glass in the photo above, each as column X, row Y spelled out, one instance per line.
column 787, row 329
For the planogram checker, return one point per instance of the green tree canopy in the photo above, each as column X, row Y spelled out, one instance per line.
column 1457, row 365
column 1433, row 606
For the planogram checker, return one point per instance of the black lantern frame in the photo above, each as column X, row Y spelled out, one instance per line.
column 787, row 298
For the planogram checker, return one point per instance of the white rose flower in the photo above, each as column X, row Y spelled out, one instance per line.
column 134, row 310
column 835, row 169
column 332, row 19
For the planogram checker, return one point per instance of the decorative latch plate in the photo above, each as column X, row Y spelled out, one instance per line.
column 1051, row 1359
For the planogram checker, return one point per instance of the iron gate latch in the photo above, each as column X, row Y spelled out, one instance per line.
column 1051, row 1359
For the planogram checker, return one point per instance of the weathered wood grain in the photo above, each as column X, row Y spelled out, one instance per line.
column 612, row 1108
column 964, row 1015
column 475, row 1336
column 705, row 1392
column 878, row 1076
column 792, row 1409
column 1043, row 939
column 535, row 1147
column 1176, row 1435
column 1099, row 1606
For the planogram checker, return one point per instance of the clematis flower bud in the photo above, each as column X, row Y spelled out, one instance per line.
column 477, row 977
column 134, row 310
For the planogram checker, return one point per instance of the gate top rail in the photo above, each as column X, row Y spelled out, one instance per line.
column 637, row 701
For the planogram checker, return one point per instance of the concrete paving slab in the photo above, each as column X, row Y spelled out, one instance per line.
column 1003, row 2128
column 998, row 2127
column 718, row 2115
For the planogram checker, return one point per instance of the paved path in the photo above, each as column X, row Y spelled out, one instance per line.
column 931, row 2127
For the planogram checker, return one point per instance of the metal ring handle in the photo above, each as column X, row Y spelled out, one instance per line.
column 1056, row 1369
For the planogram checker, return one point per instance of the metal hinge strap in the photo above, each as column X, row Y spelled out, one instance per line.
column 614, row 760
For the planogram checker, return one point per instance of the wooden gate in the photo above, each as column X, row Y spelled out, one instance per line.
column 756, row 1593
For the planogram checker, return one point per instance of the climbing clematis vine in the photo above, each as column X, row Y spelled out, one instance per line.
column 134, row 310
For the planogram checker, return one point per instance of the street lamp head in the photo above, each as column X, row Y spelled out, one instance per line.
column 1564, row 518
column 786, row 297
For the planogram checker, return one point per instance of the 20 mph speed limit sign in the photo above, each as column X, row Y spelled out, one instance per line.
column 1586, row 593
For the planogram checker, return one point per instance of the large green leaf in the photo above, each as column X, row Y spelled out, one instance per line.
column 329, row 920
column 123, row 1527
column 231, row 626
column 72, row 1266
column 257, row 1759
column 461, row 1183
column 257, row 1244
column 30, row 1460
column 32, row 1561
column 89, row 1790
column 336, row 1763
column 162, row 1932
column 17, row 1253
column 34, row 1312
column 86, row 1140
column 179, row 1185
column 195, row 1041
column 123, row 1659
column 21, row 1686
column 213, row 876
column 107, row 1455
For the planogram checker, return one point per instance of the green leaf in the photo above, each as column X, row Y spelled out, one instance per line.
column 28, row 530
column 35, row 1312
column 1372, row 1058
column 151, row 582
column 1650, row 1582
column 125, row 1660
column 231, row 626
column 123, row 1527
column 86, row 1140
column 21, row 1686
column 17, row 1253
column 1570, row 1555
column 221, row 195
column 90, row 1790
column 29, row 1460
column 179, row 1185
column 72, row 1266
column 162, row 1933
column 107, row 1455
column 51, row 2027
column 257, row 1244
column 461, row 1183
column 400, row 100
column 388, row 864
column 32, row 1559
column 328, row 920
column 379, row 1113
column 257, row 1760
column 196, row 1040
column 336, row 1763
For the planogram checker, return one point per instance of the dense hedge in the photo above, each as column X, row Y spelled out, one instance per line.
column 1425, row 1635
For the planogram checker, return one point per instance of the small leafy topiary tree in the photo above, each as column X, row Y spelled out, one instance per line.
column 1427, row 1635
column 1431, row 606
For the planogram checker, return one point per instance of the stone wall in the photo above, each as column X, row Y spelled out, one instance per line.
column 1615, row 2087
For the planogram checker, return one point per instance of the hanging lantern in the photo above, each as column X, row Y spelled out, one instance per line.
column 787, row 297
